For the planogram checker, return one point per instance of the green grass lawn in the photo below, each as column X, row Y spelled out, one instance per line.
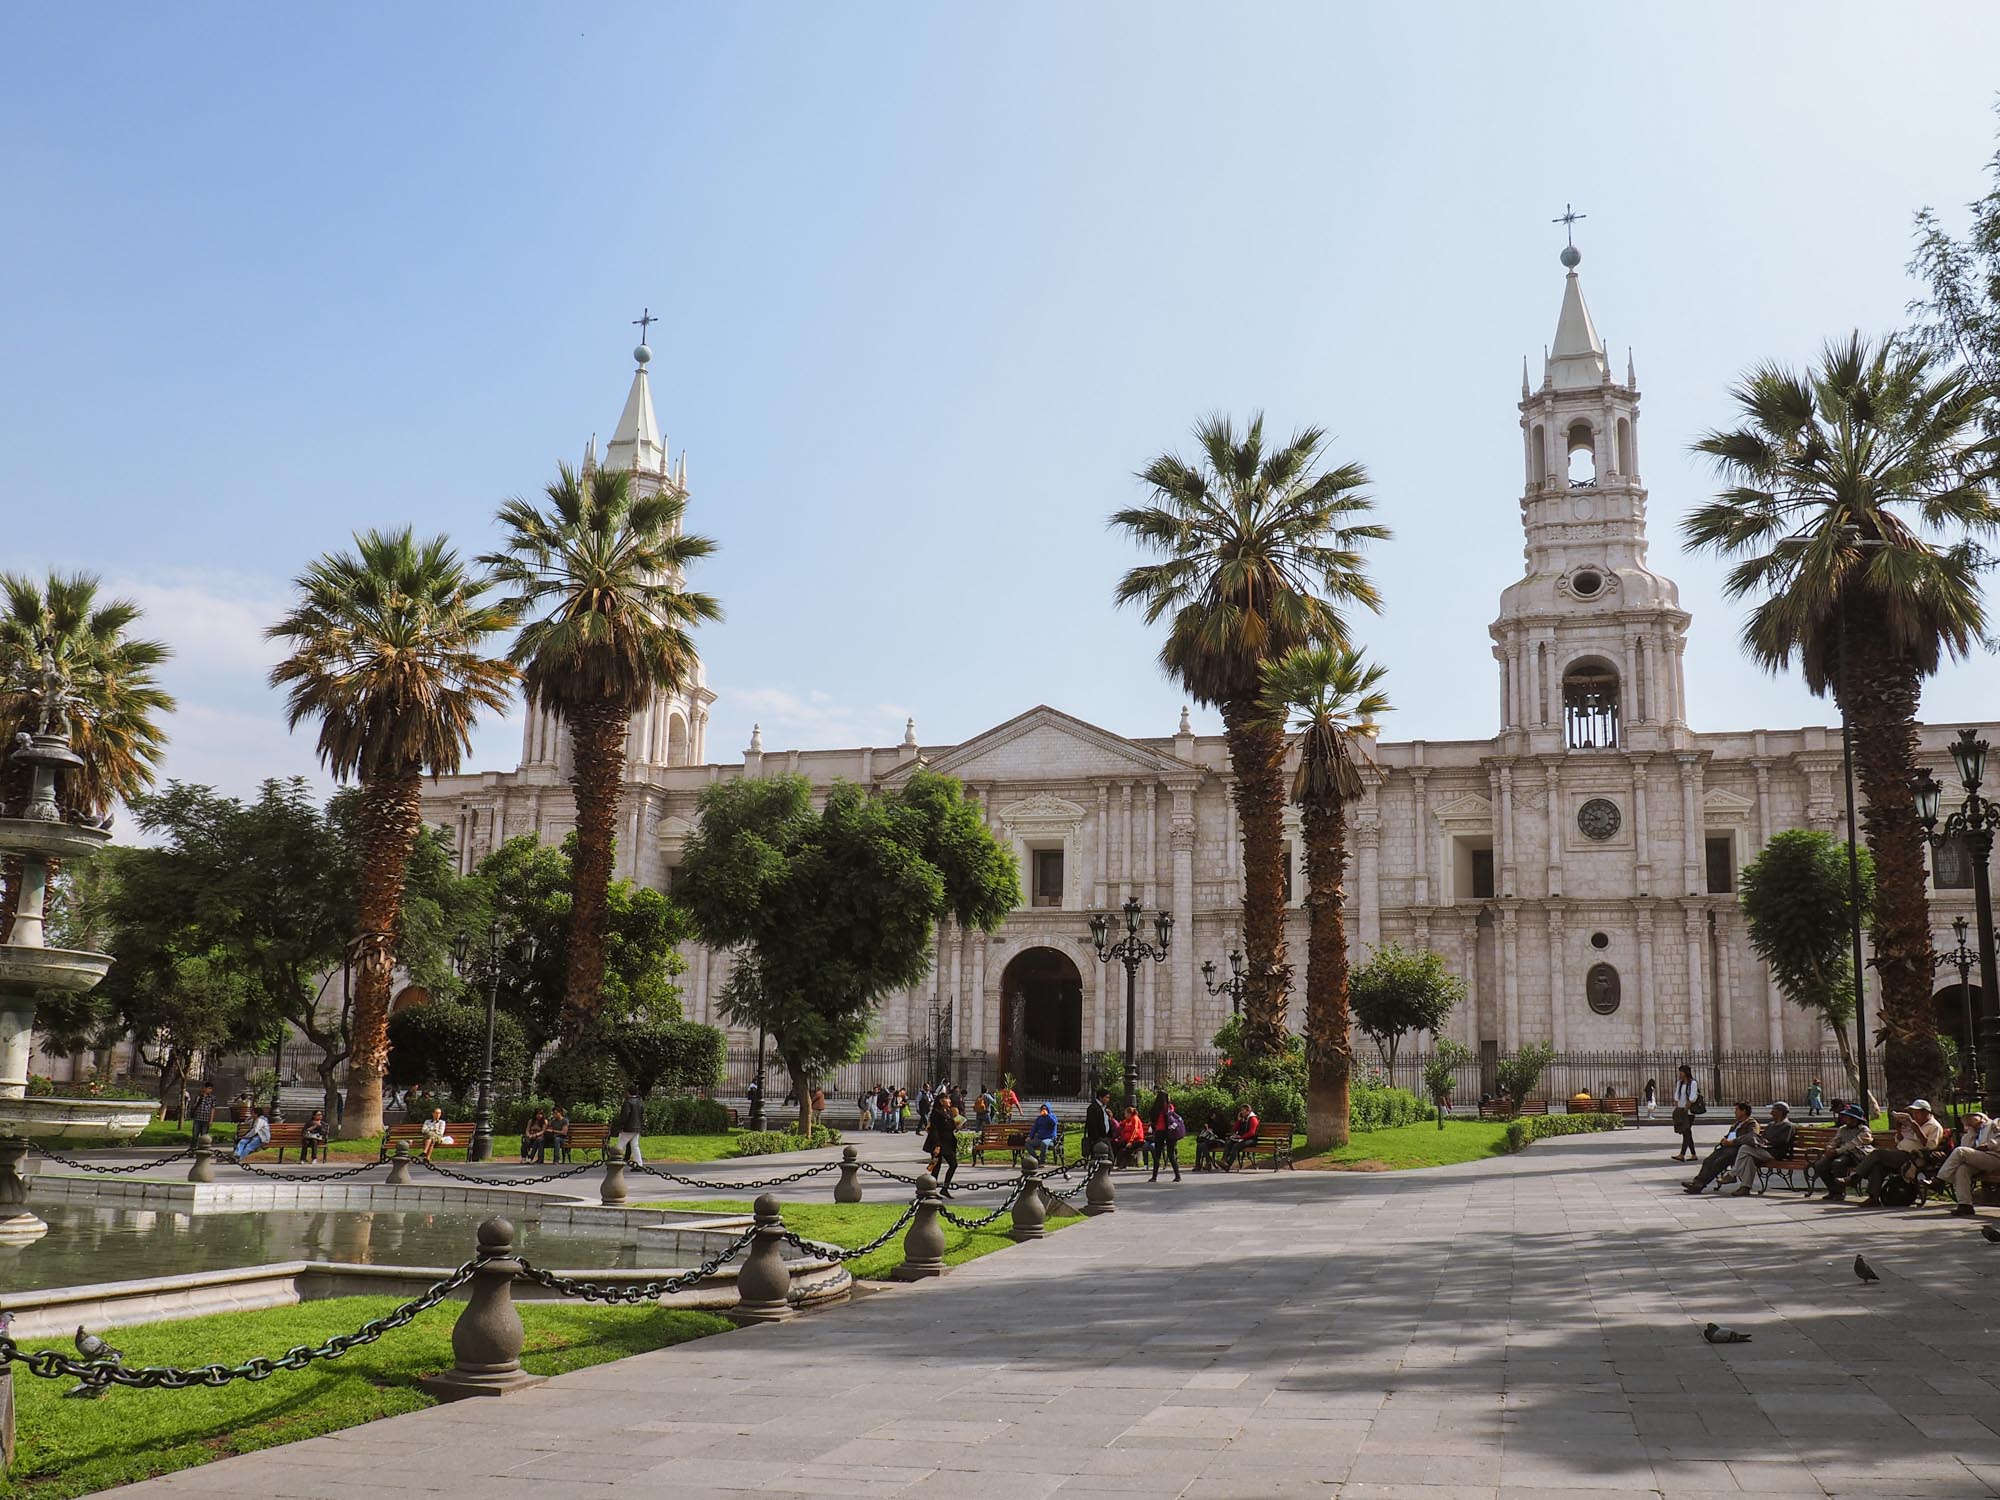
column 78, row 1447
column 1408, row 1146
column 850, row 1224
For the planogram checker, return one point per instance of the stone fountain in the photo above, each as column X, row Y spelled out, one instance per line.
column 29, row 968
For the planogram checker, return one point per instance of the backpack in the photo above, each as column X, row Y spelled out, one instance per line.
column 1176, row 1126
column 1899, row 1192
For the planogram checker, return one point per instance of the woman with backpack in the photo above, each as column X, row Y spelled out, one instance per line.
column 1164, row 1129
column 1687, row 1104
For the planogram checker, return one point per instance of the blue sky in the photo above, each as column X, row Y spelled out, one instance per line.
column 934, row 282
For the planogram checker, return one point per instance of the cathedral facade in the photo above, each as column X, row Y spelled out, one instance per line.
column 1577, row 866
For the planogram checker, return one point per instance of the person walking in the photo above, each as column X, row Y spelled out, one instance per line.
column 631, row 1126
column 1815, row 1099
column 941, row 1140
column 1164, row 1130
column 1687, row 1105
column 1651, row 1098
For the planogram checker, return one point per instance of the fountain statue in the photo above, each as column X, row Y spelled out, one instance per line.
column 29, row 967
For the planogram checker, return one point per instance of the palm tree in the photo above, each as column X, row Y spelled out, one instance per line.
column 1258, row 553
column 1336, row 696
column 116, row 705
column 386, row 652
column 1857, row 491
column 600, row 570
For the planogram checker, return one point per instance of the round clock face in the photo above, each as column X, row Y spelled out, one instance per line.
column 1598, row 818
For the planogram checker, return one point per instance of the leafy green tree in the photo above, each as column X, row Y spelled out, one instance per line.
column 678, row 1056
column 1796, row 910
column 1441, row 1072
column 1336, row 697
column 1403, row 990
column 388, row 652
column 1257, row 552
column 831, row 911
column 598, row 576
column 444, row 1042
column 1860, row 494
column 1520, row 1075
column 1960, row 317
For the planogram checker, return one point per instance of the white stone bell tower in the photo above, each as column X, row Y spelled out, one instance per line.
column 672, row 729
column 1589, row 640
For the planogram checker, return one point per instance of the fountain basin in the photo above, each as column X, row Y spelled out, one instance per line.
column 70, row 970
column 47, row 1119
column 51, row 840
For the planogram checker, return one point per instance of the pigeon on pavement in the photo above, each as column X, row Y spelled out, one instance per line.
column 1990, row 1232
column 1715, row 1333
column 1863, row 1270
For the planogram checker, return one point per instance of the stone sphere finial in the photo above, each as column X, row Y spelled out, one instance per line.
column 496, row 1236
column 643, row 355
column 1571, row 255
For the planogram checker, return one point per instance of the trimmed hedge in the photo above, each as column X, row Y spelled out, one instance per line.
column 1378, row 1107
column 1523, row 1133
column 770, row 1142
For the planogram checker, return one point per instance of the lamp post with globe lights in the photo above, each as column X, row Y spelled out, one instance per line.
column 1131, row 950
column 1963, row 958
column 1977, row 819
column 500, row 961
column 1233, row 986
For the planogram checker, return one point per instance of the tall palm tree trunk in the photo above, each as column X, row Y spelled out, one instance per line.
column 1881, row 702
column 1256, row 742
column 1329, row 1049
column 597, row 736
column 391, row 813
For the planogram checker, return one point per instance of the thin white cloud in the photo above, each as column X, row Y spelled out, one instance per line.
column 814, row 720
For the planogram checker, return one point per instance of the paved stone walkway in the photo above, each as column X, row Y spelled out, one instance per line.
column 1508, row 1329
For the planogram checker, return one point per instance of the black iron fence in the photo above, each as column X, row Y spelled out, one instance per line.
column 1725, row 1077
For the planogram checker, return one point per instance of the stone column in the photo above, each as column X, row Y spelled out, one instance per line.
column 1649, row 1034
column 1694, row 923
column 1503, row 858
column 1725, row 1000
column 1642, row 835
column 1124, row 840
column 1181, row 1031
column 1151, row 872
column 1691, row 829
column 1368, row 838
column 1552, row 782
column 1763, row 769
column 1510, row 979
column 1468, row 948
column 1101, row 846
column 1420, row 839
column 1558, row 983
column 978, row 940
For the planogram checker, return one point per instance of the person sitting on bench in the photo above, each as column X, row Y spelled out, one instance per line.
column 1772, row 1143
column 434, row 1134
column 556, row 1137
column 312, row 1138
column 1242, row 1138
column 1739, row 1135
column 1980, row 1152
column 1852, row 1144
column 1209, row 1144
column 1041, row 1142
column 257, row 1137
column 1128, row 1138
column 533, row 1147
column 1917, row 1135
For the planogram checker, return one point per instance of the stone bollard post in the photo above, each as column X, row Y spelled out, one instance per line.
column 613, row 1188
column 399, row 1167
column 923, row 1244
column 762, row 1284
column 1031, row 1213
column 848, row 1189
column 486, row 1340
column 1099, row 1197
column 202, row 1168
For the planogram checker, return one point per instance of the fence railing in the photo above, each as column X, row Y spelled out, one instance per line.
column 1757, row 1077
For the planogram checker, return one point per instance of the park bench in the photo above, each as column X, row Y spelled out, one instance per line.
column 1809, row 1143
column 460, row 1132
column 587, row 1138
column 1273, row 1142
column 1506, row 1109
column 1627, row 1110
column 1010, row 1141
column 283, row 1137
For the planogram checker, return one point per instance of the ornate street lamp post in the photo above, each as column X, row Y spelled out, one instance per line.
column 1963, row 958
column 494, row 965
column 1233, row 986
column 1131, row 950
column 1976, row 819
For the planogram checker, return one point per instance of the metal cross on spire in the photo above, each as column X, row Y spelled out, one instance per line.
column 1568, row 221
column 644, row 321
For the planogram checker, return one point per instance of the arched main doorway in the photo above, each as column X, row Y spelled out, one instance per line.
column 1041, row 1022
column 1951, row 1018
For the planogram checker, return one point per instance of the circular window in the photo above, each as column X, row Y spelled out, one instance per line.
column 1600, row 988
column 1586, row 584
column 1598, row 818
column 1599, row 940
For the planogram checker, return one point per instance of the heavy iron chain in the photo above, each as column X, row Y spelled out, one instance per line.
column 1069, row 1198
column 503, row 1182
column 829, row 1252
column 53, row 1364
column 137, row 1166
column 1012, row 1198
column 273, row 1175
column 709, row 1184
column 597, row 1291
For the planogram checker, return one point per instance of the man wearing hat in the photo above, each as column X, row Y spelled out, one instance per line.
column 1852, row 1144
column 1979, row 1154
column 1772, row 1143
column 1917, row 1135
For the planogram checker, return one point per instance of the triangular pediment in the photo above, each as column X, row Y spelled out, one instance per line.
column 1719, row 804
column 1470, row 811
column 1047, row 745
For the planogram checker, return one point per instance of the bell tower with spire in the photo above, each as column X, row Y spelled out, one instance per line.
column 1589, row 640
column 672, row 729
